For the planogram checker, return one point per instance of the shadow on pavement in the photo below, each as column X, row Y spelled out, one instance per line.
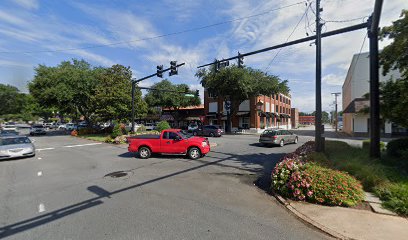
column 268, row 161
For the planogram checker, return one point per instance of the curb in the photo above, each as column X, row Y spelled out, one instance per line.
column 309, row 221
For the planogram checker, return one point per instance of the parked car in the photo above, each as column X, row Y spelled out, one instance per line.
column 70, row 126
column 16, row 146
column 150, row 126
column 278, row 137
column 37, row 129
column 208, row 130
column 192, row 127
column 8, row 133
column 9, row 126
column 62, row 127
column 170, row 141
column 83, row 125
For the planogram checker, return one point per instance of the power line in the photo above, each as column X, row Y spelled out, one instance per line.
column 158, row 36
column 361, row 49
column 290, row 35
column 345, row 21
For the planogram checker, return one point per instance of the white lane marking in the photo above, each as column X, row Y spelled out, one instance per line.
column 39, row 173
column 39, row 158
column 82, row 145
column 41, row 208
column 44, row 149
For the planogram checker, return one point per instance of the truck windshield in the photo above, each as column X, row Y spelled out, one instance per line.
column 184, row 135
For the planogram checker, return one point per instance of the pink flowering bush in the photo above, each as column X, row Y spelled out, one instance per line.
column 283, row 172
column 300, row 179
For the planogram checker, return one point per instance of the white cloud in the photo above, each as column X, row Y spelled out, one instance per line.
column 333, row 79
column 28, row 4
column 10, row 18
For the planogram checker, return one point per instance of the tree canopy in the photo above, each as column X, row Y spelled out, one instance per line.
column 394, row 93
column 172, row 100
column 76, row 88
column 241, row 83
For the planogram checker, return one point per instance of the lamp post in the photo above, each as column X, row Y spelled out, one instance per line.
column 259, row 106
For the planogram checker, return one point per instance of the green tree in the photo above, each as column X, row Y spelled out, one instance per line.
column 76, row 88
column 12, row 101
column 113, row 95
column 162, row 126
column 67, row 87
column 239, row 84
column 174, row 100
column 394, row 93
column 325, row 116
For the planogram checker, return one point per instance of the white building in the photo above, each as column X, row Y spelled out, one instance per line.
column 356, row 118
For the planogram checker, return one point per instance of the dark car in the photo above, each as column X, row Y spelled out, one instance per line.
column 8, row 133
column 37, row 129
column 277, row 137
column 208, row 130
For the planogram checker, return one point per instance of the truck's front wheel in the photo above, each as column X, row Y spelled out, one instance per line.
column 144, row 152
column 194, row 153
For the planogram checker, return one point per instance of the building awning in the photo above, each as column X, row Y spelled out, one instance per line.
column 284, row 115
column 242, row 114
column 167, row 117
column 358, row 105
column 211, row 114
column 276, row 115
column 263, row 114
column 192, row 118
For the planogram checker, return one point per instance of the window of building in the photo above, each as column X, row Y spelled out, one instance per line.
column 277, row 109
column 211, row 94
column 244, row 122
column 280, row 108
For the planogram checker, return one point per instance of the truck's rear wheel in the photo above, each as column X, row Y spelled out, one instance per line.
column 194, row 153
column 144, row 152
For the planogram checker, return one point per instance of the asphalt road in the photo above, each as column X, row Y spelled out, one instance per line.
column 64, row 193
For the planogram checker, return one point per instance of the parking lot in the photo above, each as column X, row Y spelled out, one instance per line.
column 90, row 190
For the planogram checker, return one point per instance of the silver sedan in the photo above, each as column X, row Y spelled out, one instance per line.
column 15, row 147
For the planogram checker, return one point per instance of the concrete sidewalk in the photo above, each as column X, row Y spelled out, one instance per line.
column 347, row 223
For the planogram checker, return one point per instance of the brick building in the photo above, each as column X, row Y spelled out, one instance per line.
column 307, row 120
column 275, row 112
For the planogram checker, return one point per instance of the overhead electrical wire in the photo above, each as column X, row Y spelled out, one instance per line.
column 290, row 35
column 154, row 37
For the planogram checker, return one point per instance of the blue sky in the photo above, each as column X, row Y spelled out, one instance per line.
column 31, row 31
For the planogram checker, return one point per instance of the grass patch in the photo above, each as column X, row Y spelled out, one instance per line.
column 389, row 182
column 95, row 137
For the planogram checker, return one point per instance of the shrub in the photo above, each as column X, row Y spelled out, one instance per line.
column 117, row 131
column 162, row 126
column 84, row 131
column 282, row 173
column 109, row 139
column 366, row 145
column 333, row 187
column 395, row 197
column 122, row 127
column 120, row 139
column 74, row 133
column 395, row 147
column 142, row 128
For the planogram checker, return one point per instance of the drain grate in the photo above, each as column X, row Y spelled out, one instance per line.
column 117, row 174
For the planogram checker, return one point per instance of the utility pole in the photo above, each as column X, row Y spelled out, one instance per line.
column 373, row 24
column 318, row 116
column 335, row 109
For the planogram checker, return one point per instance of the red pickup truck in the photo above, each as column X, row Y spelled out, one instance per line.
column 170, row 141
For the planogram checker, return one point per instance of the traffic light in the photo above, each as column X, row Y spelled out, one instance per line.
column 159, row 71
column 173, row 68
column 197, row 93
column 240, row 60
